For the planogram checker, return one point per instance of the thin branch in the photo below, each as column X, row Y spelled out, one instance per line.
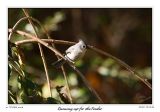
column 39, row 41
column 15, row 26
column 123, row 64
column 41, row 51
column 59, row 54
column 62, row 68
column 99, row 51
column 92, row 48
column 45, row 31
column 45, row 43
column 21, row 20
column 68, row 89
column 25, row 41
column 71, row 43
column 86, row 83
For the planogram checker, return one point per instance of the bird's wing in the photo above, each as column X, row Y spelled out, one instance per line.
column 70, row 49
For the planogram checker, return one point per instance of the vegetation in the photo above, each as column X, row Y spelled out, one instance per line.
column 39, row 37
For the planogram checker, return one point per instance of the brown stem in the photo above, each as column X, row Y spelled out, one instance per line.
column 25, row 41
column 15, row 26
column 59, row 54
column 22, row 33
column 68, row 89
column 41, row 51
column 92, row 48
column 71, row 43
column 41, row 41
column 96, row 50
column 123, row 64
column 63, row 70
column 86, row 83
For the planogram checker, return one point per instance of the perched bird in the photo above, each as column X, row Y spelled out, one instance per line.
column 72, row 54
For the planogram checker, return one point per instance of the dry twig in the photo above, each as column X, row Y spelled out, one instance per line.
column 86, row 83
column 123, row 64
column 59, row 54
column 62, row 68
column 96, row 50
column 41, row 51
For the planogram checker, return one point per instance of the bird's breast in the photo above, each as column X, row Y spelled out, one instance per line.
column 75, row 55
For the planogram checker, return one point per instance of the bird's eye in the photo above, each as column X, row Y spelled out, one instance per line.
column 84, row 46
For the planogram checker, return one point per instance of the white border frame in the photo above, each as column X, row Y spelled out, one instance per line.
column 81, row 4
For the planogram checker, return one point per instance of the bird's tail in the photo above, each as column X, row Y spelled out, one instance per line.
column 58, row 63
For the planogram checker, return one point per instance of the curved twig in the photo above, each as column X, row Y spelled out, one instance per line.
column 71, row 43
column 59, row 54
column 86, row 83
column 122, row 63
column 62, row 68
column 15, row 26
column 41, row 51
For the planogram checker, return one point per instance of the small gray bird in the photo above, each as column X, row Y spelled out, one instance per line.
column 72, row 54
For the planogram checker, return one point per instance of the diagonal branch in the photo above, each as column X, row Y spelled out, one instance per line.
column 22, row 33
column 68, row 89
column 62, row 68
column 41, row 51
column 122, row 63
column 59, row 54
column 90, row 47
column 86, row 83
column 15, row 26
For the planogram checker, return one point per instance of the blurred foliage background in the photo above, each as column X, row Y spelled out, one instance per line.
column 123, row 32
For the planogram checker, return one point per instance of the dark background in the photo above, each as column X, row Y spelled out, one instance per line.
column 123, row 32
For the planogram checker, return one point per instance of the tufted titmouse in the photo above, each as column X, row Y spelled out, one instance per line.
column 72, row 54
